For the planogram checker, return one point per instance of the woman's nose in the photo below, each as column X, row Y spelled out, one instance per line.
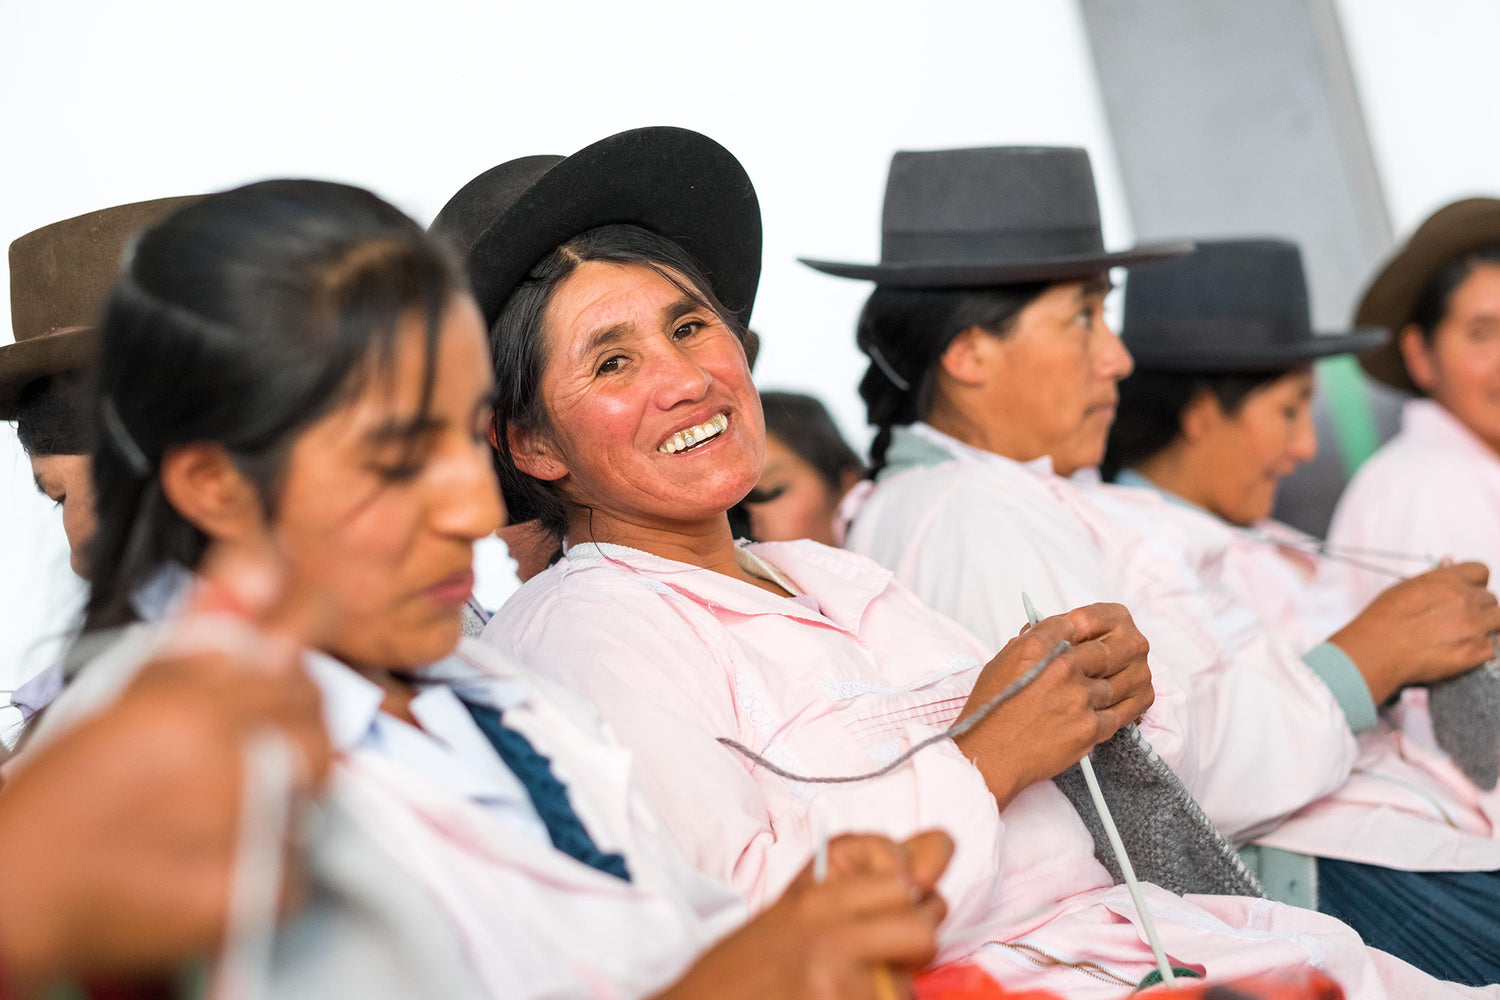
column 468, row 498
column 679, row 377
column 1304, row 443
column 1114, row 360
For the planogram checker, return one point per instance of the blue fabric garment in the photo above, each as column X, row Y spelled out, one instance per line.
column 548, row 794
column 1445, row 923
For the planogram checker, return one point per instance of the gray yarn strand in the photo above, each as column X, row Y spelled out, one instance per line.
column 952, row 732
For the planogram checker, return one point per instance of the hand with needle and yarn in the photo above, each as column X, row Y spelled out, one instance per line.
column 1425, row 629
column 1038, row 706
column 858, row 933
column 123, row 833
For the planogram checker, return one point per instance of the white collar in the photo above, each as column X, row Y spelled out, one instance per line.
column 958, row 449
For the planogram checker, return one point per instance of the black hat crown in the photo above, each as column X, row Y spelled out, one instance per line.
column 1233, row 306
column 677, row 183
column 958, row 218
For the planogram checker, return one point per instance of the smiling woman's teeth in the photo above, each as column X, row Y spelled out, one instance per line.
column 694, row 436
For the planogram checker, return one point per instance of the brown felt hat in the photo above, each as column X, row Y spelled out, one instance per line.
column 1391, row 298
column 60, row 276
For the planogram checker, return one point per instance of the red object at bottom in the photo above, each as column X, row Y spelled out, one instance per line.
column 969, row 982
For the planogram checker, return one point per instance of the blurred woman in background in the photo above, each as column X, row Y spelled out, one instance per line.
column 809, row 469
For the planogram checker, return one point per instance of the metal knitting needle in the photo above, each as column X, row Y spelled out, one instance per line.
column 1116, row 844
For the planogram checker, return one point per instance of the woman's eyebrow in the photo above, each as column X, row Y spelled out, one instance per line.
column 403, row 428
column 672, row 313
column 604, row 337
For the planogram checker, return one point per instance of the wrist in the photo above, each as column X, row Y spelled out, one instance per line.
column 996, row 767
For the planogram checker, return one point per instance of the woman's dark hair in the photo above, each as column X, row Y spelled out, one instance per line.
column 802, row 424
column 52, row 416
column 1432, row 304
column 241, row 320
column 1149, row 415
column 906, row 330
column 518, row 347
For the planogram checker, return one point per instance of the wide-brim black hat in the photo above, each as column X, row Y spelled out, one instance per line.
column 672, row 181
column 1232, row 306
column 976, row 218
column 1391, row 298
column 60, row 275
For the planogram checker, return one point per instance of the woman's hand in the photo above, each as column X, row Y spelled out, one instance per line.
column 119, row 838
column 1424, row 629
column 876, row 915
column 1084, row 697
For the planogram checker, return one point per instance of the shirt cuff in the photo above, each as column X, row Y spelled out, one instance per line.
column 1345, row 681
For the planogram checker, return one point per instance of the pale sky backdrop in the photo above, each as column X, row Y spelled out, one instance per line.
column 110, row 103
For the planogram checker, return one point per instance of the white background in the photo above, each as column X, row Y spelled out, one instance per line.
column 107, row 103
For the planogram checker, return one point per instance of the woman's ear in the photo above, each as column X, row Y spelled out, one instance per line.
column 203, row 484
column 1200, row 416
column 963, row 360
column 533, row 453
column 1417, row 354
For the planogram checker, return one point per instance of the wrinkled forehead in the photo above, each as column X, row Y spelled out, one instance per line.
column 600, row 301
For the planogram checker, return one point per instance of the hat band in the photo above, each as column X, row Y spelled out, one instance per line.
column 1011, row 246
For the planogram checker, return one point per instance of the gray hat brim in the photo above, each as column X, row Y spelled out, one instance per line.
column 971, row 275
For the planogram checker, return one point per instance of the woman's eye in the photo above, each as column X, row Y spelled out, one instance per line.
column 758, row 495
column 687, row 330
column 611, row 365
column 403, row 472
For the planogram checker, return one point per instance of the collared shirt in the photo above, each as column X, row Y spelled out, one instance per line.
column 461, row 761
column 1251, row 730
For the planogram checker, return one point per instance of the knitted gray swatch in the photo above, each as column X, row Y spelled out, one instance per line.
column 1466, row 720
column 1170, row 840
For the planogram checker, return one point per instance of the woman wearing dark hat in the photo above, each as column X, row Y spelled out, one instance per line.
column 993, row 378
column 626, row 417
column 1216, row 414
column 1434, row 489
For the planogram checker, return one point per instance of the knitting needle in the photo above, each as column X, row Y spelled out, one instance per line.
column 1116, row 844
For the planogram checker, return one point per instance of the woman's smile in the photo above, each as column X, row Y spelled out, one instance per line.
column 694, row 437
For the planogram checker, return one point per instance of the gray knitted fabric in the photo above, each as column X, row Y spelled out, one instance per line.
column 1170, row 840
column 473, row 625
column 1466, row 720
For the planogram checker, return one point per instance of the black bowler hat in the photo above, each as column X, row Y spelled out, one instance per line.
column 677, row 183
column 974, row 218
column 1233, row 306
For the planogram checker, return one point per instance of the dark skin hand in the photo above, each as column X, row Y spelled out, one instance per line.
column 120, row 836
column 878, row 910
column 1101, row 684
column 1432, row 626
column 121, row 833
